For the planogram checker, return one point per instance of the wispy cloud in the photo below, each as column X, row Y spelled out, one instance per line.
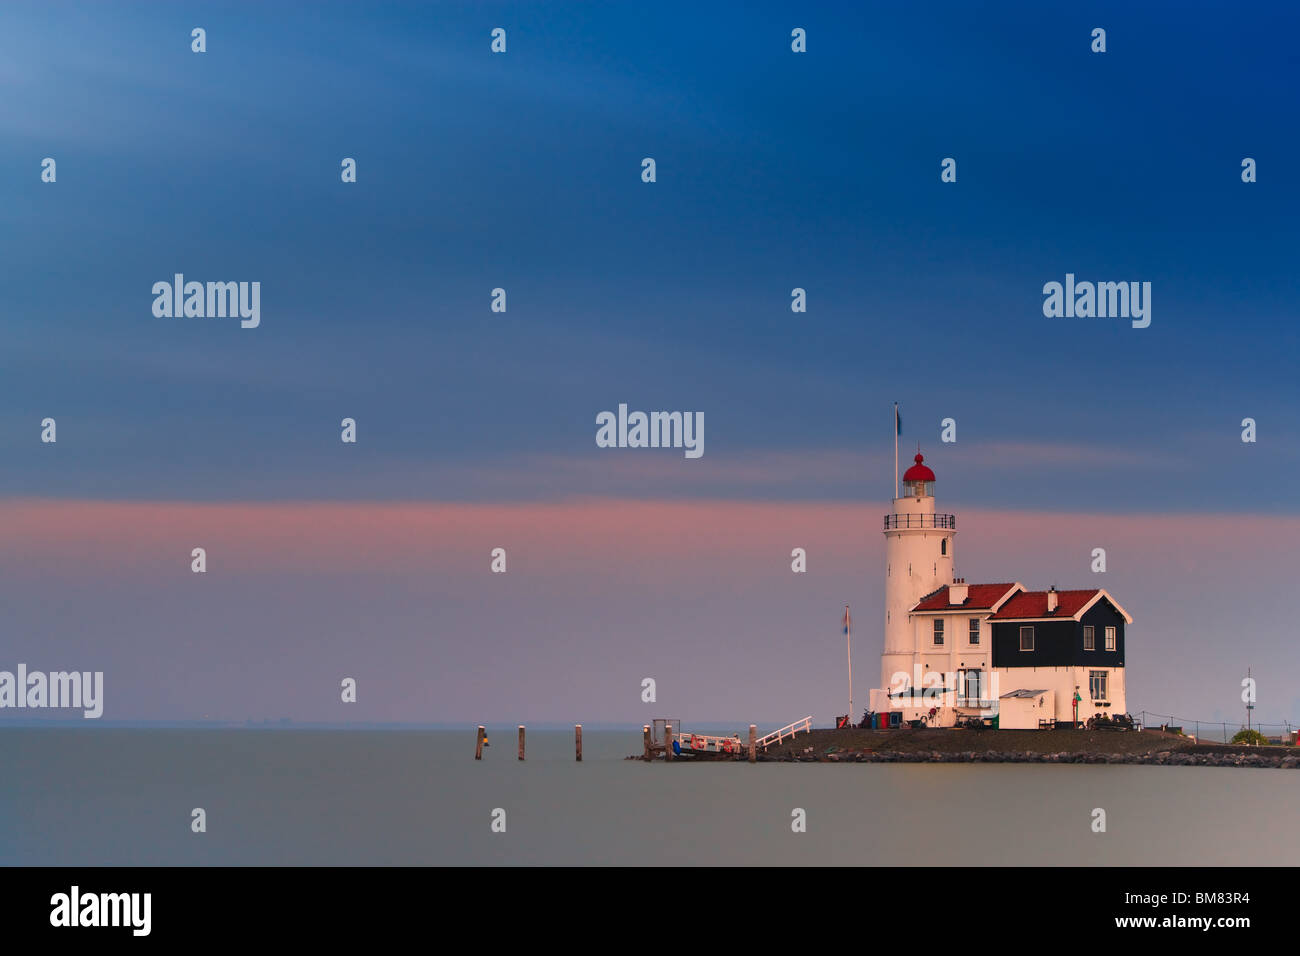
column 814, row 473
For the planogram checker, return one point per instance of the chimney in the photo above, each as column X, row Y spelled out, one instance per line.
column 1051, row 599
column 957, row 591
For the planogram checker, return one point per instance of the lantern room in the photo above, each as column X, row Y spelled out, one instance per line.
column 918, row 480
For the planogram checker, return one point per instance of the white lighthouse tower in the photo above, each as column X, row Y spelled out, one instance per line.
column 918, row 560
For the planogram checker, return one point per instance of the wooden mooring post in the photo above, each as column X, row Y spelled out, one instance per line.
column 478, row 743
column 577, row 740
column 753, row 743
column 645, row 741
column 668, row 741
column 521, row 741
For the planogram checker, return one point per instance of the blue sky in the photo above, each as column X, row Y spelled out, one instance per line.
column 775, row 171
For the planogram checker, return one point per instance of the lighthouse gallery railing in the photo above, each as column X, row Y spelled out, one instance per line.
column 920, row 521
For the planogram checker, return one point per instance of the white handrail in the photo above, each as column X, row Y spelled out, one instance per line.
column 788, row 730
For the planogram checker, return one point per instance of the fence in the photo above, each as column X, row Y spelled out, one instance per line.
column 1219, row 730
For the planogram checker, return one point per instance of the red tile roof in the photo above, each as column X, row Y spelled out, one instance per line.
column 1029, row 604
column 978, row 596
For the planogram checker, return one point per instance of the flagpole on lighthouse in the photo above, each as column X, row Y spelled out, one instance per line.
column 896, row 431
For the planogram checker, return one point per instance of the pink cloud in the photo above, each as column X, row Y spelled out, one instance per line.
column 412, row 536
column 697, row 593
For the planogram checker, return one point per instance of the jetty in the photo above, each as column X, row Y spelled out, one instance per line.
column 665, row 739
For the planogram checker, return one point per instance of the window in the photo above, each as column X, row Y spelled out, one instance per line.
column 1110, row 638
column 1089, row 638
column 974, row 630
column 938, row 631
column 971, row 684
column 1026, row 638
column 943, row 546
column 1097, row 684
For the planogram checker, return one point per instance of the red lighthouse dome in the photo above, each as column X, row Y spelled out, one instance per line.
column 920, row 471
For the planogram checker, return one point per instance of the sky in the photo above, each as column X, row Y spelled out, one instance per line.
column 522, row 170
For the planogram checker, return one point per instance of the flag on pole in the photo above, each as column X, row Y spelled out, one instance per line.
column 846, row 619
column 898, row 419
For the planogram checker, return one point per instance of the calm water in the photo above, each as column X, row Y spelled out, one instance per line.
column 417, row 797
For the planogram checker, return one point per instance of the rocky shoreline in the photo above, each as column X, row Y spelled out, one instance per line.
column 1057, row 746
column 1286, row 760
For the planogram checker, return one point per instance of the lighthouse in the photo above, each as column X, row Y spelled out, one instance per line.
column 918, row 561
column 994, row 654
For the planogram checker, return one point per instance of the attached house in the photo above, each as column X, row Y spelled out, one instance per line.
column 1068, row 644
column 1022, row 653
